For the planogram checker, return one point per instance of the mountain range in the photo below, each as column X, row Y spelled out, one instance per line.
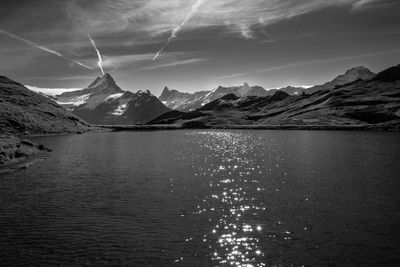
column 356, row 97
column 104, row 102
column 350, row 99
column 189, row 102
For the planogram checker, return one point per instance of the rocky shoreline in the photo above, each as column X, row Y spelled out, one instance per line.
column 18, row 153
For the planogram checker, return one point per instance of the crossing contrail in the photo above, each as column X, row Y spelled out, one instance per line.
column 176, row 30
column 44, row 48
column 100, row 62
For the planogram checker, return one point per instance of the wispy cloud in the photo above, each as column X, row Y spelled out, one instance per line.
column 62, row 78
column 363, row 3
column 178, row 28
column 306, row 63
column 45, row 49
column 176, row 63
column 151, row 18
column 124, row 61
column 100, row 59
column 145, row 62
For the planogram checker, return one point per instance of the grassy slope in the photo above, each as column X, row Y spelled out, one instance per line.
column 25, row 112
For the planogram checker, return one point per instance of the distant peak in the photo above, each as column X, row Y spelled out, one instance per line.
column 104, row 85
column 358, row 68
column 108, row 77
column 353, row 74
column 144, row 93
column 166, row 93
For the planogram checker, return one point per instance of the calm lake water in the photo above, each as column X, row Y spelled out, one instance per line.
column 206, row 198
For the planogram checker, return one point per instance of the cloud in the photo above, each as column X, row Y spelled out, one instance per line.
column 100, row 59
column 176, row 63
column 362, row 3
column 45, row 49
column 123, row 61
column 60, row 78
column 147, row 19
column 144, row 61
column 178, row 28
column 246, row 32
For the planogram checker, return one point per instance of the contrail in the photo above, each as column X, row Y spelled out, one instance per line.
column 44, row 49
column 175, row 31
column 100, row 62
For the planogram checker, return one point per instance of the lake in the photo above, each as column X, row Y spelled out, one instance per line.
column 206, row 198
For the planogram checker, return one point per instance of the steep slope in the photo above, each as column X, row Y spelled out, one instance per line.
column 371, row 102
column 96, row 93
column 104, row 102
column 390, row 75
column 351, row 75
column 24, row 111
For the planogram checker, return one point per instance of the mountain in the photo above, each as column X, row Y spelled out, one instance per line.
column 351, row 75
column 176, row 100
column 104, row 102
column 188, row 102
column 291, row 90
column 97, row 92
column 374, row 102
column 23, row 111
column 240, row 91
column 390, row 75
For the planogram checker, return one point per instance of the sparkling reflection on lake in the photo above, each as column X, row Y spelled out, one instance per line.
column 206, row 198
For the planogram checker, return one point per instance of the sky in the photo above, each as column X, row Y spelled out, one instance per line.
column 201, row 43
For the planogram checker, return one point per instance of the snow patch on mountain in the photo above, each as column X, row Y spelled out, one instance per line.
column 114, row 96
column 120, row 110
column 77, row 101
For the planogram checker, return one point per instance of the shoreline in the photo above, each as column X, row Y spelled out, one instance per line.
column 19, row 153
column 24, row 163
column 94, row 130
column 163, row 127
column 42, row 154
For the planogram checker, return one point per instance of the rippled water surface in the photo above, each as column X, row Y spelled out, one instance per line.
column 206, row 198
